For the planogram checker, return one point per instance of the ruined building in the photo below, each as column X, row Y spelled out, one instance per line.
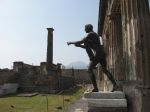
column 48, row 77
column 124, row 26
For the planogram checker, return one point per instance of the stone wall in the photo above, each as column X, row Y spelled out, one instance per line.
column 8, row 88
column 38, row 79
column 80, row 75
column 7, row 76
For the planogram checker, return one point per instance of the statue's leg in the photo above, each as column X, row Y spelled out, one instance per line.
column 92, row 76
column 109, row 75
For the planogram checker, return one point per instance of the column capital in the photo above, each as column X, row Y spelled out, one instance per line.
column 50, row 29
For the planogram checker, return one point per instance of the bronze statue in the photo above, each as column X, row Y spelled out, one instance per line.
column 95, row 51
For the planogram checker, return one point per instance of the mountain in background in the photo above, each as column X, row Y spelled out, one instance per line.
column 77, row 65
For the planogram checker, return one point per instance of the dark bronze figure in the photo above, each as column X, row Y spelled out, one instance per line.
column 95, row 51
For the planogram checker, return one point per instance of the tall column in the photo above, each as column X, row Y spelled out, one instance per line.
column 136, row 24
column 117, row 47
column 50, row 47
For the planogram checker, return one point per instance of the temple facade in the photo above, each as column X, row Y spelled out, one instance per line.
column 124, row 26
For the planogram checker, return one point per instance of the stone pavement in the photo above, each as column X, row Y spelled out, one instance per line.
column 79, row 106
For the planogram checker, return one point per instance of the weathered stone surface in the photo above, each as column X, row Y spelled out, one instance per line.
column 107, row 102
column 105, row 95
column 8, row 88
column 111, row 109
column 124, row 26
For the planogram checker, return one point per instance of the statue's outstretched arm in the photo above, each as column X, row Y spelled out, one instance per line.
column 80, row 45
column 76, row 42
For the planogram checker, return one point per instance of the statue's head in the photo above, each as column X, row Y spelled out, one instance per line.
column 88, row 28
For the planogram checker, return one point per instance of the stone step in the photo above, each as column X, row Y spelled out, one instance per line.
column 107, row 102
column 107, row 109
column 104, row 95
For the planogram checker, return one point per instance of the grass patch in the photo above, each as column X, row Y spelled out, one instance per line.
column 56, row 103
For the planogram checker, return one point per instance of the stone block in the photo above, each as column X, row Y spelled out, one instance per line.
column 107, row 102
column 104, row 95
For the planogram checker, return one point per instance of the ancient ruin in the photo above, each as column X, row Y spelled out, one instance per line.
column 48, row 77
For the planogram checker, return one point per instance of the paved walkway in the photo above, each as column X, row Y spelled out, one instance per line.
column 79, row 106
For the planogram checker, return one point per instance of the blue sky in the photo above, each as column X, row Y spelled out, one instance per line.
column 23, row 34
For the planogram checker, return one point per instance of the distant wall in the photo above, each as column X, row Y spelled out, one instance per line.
column 8, row 88
column 7, row 76
column 66, row 82
column 39, row 79
column 80, row 76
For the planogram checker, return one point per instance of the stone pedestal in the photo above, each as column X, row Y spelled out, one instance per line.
column 106, row 101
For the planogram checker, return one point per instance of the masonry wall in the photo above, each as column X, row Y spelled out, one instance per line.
column 7, row 76
column 80, row 76
column 39, row 79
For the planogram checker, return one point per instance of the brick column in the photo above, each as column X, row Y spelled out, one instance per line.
column 50, row 47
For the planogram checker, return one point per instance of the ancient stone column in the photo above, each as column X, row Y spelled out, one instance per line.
column 50, row 47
